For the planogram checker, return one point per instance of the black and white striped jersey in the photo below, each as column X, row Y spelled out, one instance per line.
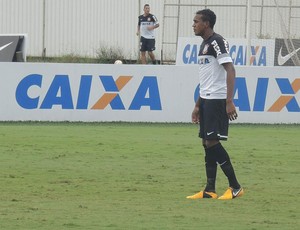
column 212, row 54
column 144, row 22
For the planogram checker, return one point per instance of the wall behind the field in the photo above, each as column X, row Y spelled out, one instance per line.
column 77, row 27
column 82, row 27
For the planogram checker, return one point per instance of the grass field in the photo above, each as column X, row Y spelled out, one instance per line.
column 136, row 176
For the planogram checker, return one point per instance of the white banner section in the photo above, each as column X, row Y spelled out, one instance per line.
column 262, row 51
column 138, row 93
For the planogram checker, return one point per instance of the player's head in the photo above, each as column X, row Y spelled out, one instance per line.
column 208, row 15
column 146, row 9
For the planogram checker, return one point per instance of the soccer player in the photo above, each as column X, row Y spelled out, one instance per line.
column 146, row 25
column 214, row 108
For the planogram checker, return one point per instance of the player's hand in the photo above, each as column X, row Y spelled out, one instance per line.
column 137, row 33
column 195, row 115
column 231, row 111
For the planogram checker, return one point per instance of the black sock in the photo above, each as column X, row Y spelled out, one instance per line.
column 210, row 185
column 225, row 164
column 229, row 172
column 154, row 62
column 211, row 171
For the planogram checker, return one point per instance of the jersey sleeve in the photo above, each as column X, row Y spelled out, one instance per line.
column 154, row 19
column 221, row 49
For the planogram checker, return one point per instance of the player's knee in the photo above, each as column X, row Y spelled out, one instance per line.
column 211, row 143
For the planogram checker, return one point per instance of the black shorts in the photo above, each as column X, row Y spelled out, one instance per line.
column 147, row 44
column 213, row 119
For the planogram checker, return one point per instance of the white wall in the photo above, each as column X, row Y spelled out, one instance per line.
column 76, row 92
column 83, row 26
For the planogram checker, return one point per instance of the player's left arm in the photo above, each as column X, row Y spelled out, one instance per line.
column 230, row 107
column 138, row 29
column 221, row 47
column 156, row 24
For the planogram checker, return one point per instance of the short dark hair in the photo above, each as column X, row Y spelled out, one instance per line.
column 146, row 5
column 208, row 15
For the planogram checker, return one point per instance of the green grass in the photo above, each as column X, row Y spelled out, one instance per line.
column 136, row 176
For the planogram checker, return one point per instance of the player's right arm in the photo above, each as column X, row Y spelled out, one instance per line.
column 196, row 111
column 138, row 30
column 230, row 107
